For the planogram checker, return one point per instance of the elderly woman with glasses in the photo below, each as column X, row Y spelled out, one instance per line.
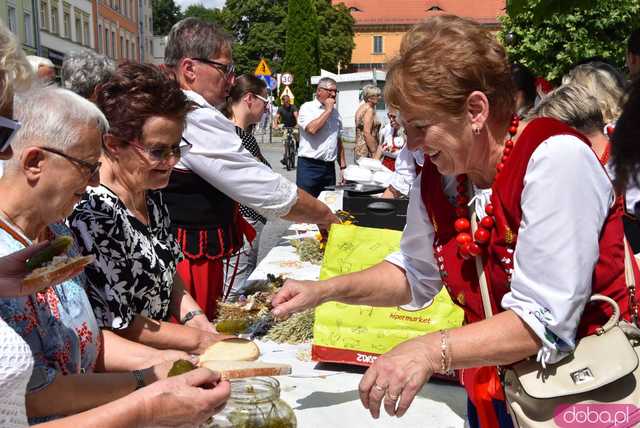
column 125, row 224
column 57, row 152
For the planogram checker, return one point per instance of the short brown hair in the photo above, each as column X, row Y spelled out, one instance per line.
column 137, row 92
column 195, row 38
column 442, row 61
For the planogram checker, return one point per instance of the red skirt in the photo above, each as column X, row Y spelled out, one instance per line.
column 204, row 280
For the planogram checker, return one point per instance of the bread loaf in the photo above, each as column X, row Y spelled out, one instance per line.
column 235, row 349
column 239, row 369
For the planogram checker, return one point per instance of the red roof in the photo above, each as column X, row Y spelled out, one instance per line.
column 385, row 12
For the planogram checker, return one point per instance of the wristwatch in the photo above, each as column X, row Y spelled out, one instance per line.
column 190, row 315
column 139, row 379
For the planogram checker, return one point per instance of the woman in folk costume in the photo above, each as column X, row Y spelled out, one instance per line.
column 549, row 230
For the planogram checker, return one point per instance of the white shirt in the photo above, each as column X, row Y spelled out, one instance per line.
column 16, row 365
column 218, row 157
column 391, row 145
column 405, row 172
column 565, row 201
column 324, row 144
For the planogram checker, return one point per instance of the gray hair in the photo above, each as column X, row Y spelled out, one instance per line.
column 52, row 116
column 604, row 83
column 195, row 38
column 574, row 105
column 326, row 81
column 369, row 91
column 15, row 71
column 38, row 61
column 83, row 71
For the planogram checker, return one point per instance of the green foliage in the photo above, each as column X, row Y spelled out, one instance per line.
column 550, row 39
column 335, row 25
column 165, row 14
column 302, row 50
column 204, row 13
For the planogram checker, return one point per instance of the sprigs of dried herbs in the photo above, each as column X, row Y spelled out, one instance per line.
column 296, row 329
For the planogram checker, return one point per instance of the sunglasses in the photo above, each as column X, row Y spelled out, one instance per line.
column 261, row 98
column 8, row 129
column 161, row 154
column 93, row 168
column 227, row 69
column 331, row 91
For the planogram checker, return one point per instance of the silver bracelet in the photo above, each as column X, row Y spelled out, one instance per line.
column 191, row 315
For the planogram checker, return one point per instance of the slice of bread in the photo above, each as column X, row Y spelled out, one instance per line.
column 234, row 349
column 239, row 369
column 55, row 273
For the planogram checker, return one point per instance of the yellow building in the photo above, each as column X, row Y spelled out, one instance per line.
column 380, row 24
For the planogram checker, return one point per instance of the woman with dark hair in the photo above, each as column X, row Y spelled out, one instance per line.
column 525, row 85
column 245, row 105
column 124, row 222
column 546, row 239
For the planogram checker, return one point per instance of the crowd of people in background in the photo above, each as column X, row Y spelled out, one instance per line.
column 156, row 173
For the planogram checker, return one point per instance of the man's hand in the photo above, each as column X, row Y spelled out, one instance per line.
column 329, row 103
column 13, row 269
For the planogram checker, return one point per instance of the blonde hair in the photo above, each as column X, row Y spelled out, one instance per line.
column 442, row 61
column 15, row 71
column 572, row 104
column 604, row 83
column 369, row 91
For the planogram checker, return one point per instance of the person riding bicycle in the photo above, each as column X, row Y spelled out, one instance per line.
column 288, row 114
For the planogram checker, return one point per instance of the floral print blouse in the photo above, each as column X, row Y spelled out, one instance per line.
column 135, row 263
column 57, row 323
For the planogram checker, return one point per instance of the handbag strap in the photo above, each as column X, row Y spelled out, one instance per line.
column 628, row 275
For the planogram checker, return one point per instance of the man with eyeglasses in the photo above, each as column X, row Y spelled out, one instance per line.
column 320, row 143
column 218, row 173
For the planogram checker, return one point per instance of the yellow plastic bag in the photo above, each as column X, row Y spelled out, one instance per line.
column 358, row 334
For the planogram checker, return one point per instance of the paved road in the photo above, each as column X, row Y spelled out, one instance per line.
column 274, row 230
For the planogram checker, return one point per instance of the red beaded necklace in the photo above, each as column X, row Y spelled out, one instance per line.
column 471, row 246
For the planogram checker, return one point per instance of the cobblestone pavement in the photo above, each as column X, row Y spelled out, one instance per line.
column 274, row 230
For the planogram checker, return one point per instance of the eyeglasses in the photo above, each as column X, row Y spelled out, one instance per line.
column 332, row 91
column 261, row 98
column 160, row 154
column 227, row 69
column 93, row 168
column 8, row 129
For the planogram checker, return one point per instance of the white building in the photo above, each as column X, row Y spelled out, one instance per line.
column 159, row 44
column 349, row 88
column 145, row 16
column 65, row 26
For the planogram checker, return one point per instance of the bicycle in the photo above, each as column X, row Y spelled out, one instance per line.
column 290, row 151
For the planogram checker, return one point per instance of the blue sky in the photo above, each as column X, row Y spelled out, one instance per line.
column 208, row 3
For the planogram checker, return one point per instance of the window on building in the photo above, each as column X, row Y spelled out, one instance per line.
column 134, row 51
column 86, row 32
column 377, row 45
column 55, row 23
column 28, row 29
column 78, row 29
column 99, row 47
column 44, row 15
column 126, row 44
column 66, row 23
column 12, row 19
column 113, row 44
column 121, row 50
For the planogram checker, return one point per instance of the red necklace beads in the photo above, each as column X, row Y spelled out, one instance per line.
column 471, row 246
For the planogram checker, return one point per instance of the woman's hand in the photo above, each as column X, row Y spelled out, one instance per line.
column 397, row 376
column 184, row 401
column 296, row 296
column 13, row 269
column 201, row 322
column 207, row 339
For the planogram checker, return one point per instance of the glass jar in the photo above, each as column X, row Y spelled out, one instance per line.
column 255, row 403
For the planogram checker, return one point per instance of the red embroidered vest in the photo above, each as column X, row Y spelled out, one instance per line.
column 460, row 277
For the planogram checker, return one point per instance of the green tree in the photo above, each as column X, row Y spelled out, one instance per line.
column 205, row 13
column 302, row 57
column 165, row 14
column 335, row 25
column 550, row 40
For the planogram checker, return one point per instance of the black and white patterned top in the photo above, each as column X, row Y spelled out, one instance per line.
column 249, row 142
column 135, row 263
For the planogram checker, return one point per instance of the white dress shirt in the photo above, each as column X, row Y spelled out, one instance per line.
column 324, row 144
column 389, row 144
column 405, row 172
column 565, row 201
column 219, row 158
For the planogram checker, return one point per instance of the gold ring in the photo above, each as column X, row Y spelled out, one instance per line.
column 392, row 397
column 380, row 388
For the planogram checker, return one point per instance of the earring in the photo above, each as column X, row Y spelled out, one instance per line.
column 475, row 130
